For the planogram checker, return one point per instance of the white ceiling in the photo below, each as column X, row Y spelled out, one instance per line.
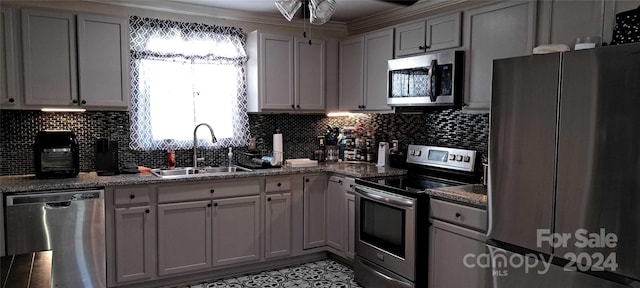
column 347, row 10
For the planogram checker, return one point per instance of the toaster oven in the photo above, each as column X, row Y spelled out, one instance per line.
column 56, row 154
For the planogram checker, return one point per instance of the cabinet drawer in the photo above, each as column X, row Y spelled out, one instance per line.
column 349, row 184
column 131, row 195
column 277, row 184
column 236, row 188
column 185, row 192
column 459, row 214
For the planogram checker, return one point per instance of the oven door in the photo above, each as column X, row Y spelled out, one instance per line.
column 385, row 230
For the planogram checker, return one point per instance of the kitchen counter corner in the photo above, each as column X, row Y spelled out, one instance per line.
column 473, row 194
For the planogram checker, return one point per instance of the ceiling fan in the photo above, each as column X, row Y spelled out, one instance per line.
column 319, row 11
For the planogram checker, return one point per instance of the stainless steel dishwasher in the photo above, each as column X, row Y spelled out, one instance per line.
column 69, row 223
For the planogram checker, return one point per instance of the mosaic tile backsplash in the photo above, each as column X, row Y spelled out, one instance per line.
column 448, row 127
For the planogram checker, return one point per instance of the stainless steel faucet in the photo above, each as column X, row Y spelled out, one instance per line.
column 195, row 142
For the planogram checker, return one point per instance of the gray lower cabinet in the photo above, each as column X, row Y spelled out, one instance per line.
column 350, row 235
column 277, row 225
column 457, row 246
column 335, row 214
column 314, row 194
column 236, row 230
column 134, row 243
column 184, row 237
column 134, row 234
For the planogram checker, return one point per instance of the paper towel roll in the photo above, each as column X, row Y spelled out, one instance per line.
column 277, row 148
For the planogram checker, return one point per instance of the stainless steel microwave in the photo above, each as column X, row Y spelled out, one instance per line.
column 426, row 80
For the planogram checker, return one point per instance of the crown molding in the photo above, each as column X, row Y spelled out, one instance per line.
column 219, row 13
column 386, row 18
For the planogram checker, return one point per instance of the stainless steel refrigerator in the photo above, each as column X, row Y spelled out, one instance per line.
column 564, row 158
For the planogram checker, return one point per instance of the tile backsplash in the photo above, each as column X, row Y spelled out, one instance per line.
column 447, row 127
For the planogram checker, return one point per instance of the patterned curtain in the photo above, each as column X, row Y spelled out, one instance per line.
column 183, row 74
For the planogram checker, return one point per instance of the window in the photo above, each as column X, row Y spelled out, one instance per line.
column 184, row 74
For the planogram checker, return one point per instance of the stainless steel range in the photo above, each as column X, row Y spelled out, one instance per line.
column 392, row 216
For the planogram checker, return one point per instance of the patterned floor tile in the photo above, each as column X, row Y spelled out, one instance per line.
column 319, row 274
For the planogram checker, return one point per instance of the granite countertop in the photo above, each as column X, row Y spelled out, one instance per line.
column 26, row 183
column 474, row 194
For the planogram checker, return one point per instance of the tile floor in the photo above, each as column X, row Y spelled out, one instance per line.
column 325, row 274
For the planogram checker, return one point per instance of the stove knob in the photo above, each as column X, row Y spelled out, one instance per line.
column 458, row 157
column 412, row 152
column 452, row 157
column 419, row 152
column 466, row 158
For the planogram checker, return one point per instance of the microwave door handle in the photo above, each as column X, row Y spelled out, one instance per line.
column 433, row 80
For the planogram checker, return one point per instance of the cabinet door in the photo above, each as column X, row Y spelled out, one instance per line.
column 443, row 32
column 49, row 58
column 8, row 76
column 278, row 225
column 335, row 213
column 314, row 193
column 378, row 50
column 449, row 247
column 410, row 39
column 184, row 237
column 563, row 21
column 276, row 72
column 350, row 233
column 236, row 230
column 134, row 243
column 497, row 31
column 309, row 69
column 352, row 74
column 103, row 61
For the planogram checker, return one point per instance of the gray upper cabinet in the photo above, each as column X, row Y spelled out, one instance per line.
column 49, row 57
column 492, row 32
column 9, row 91
column 51, row 77
column 236, row 230
column 351, row 83
column 314, row 194
column 428, row 35
column 285, row 73
column 103, row 61
column 363, row 71
column 309, row 70
column 563, row 21
column 378, row 49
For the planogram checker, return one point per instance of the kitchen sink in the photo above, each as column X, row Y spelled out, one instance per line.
column 189, row 171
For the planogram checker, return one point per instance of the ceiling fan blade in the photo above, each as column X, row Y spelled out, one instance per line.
column 401, row 2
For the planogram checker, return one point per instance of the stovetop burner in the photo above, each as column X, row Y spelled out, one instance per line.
column 429, row 168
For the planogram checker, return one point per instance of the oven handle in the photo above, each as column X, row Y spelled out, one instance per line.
column 384, row 198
